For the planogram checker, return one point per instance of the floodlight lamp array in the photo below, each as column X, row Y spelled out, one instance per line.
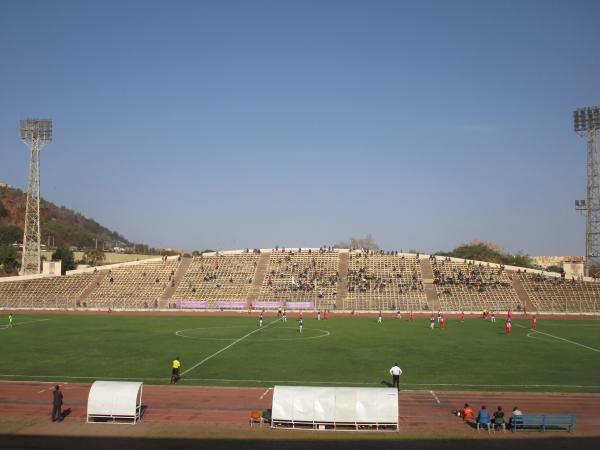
column 586, row 119
column 36, row 129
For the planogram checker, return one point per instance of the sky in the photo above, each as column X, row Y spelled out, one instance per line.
column 243, row 124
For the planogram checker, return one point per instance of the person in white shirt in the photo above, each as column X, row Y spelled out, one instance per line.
column 395, row 372
column 516, row 412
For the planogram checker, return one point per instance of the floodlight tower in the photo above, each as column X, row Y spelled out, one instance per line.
column 586, row 122
column 35, row 133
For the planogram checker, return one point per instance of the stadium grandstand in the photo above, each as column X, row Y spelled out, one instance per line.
column 472, row 286
column 385, row 281
column 315, row 278
column 302, row 275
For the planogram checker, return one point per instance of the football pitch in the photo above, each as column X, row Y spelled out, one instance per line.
column 563, row 355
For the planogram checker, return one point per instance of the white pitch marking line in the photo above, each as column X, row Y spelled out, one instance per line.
column 435, row 397
column 18, row 324
column 562, row 339
column 339, row 383
column 264, row 393
column 228, row 346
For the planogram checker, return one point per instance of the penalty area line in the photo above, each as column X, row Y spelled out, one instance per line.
column 560, row 338
column 199, row 363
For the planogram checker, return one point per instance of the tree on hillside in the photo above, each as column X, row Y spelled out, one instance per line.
column 66, row 256
column 520, row 260
column 3, row 211
column 557, row 269
column 366, row 243
column 489, row 252
column 9, row 258
column 93, row 256
column 10, row 234
column 480, row 251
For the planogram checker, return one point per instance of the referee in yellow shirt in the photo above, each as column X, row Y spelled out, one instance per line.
column 175, row 372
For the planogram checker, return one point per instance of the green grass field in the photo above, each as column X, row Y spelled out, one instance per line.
column 475, row 355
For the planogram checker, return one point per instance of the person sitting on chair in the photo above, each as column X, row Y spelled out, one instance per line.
column 499, row 418
column 467, row 412
column 515, row 412
column 483, row 418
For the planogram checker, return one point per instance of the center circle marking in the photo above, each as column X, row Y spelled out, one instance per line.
column 182, row 333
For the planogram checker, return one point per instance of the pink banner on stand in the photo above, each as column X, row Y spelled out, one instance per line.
column 266, row 305
column 192, row 304
column 232, row 304
column 300, row 305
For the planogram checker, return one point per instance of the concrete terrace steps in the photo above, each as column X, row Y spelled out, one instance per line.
column 430, row 290
column 342, row 285
column 92, row 286
column 521, row 293
column 259, row 276
column 179, row 274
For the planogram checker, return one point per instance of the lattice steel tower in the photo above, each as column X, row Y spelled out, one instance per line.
column 35, row 133
column 587, row 123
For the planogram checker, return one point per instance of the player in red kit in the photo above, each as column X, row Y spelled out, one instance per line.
column 442, row 322
column 534, row 322
column 508, row 326
column 462, row 316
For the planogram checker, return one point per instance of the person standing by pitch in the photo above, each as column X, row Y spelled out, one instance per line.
column 175, row 367
column 395, row 372
column 57, row 401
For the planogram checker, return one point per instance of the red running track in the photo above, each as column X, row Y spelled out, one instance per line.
column 417, row 409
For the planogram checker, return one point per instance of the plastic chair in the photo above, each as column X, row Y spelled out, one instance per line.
column 488, row 425
column 256, row 417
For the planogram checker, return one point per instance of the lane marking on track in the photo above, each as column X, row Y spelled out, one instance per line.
column 18, row 324
column 199, row 363
column 264, row 393
column 557, row 337
column 435, row 397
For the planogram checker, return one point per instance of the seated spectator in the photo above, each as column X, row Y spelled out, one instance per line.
column 467, row 412
column 499, row 418
column 483, row 417
column 515, row 412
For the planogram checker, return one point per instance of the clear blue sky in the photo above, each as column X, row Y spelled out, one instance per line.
column 233, row 124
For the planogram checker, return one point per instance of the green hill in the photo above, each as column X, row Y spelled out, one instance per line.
column 64, row 226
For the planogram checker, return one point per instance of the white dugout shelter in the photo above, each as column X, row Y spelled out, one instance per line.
column 335, row 408
column 115, row 401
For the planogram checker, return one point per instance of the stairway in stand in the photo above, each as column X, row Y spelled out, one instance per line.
column 430, row 291
column 520, row 290
column 342, row 285
column 179, row 274
column 92, row 286
column 259, row 276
